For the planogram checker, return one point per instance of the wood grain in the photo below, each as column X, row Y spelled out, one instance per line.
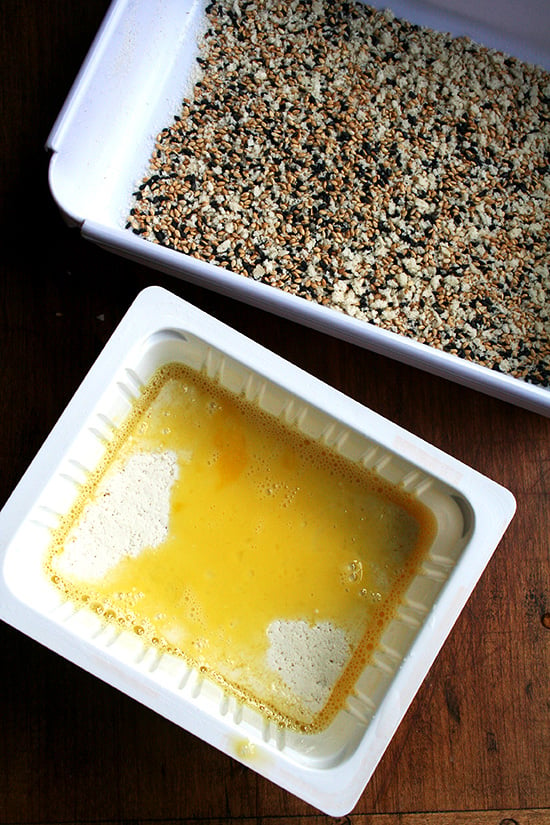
column 474, row 748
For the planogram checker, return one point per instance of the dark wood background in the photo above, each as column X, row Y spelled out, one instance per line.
column 475, row 744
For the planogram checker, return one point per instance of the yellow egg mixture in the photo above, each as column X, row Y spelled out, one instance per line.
column 281, row 561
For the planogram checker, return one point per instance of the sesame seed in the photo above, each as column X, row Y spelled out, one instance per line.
column 391, row 172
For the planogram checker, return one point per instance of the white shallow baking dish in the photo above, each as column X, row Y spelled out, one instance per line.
column 130, row 86
column 329, row 769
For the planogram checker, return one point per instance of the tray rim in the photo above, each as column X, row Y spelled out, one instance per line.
column 324, row 319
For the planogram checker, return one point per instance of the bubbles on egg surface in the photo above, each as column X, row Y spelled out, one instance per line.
column 352, row 573
column 268, row 487
column 373, row 596
column 290, row 494
column 193, row 607
column 355, row 570
column 200, row 644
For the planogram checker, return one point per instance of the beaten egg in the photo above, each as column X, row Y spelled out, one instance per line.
column 223, row 535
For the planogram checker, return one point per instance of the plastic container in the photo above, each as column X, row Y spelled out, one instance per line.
column 328, row 769
column 130, row 86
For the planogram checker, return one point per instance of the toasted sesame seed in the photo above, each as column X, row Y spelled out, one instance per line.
column 394, row 173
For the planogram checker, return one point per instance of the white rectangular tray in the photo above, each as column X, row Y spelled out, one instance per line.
column 130, row 86
column 329, row 769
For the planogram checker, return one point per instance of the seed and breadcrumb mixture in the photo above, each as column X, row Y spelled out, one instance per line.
column 380, row 168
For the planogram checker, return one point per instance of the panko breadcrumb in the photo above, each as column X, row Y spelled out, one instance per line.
column 354, row 159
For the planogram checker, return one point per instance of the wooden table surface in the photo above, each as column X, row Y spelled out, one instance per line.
column 474, row 746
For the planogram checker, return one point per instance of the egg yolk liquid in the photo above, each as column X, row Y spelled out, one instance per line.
column 266, row 524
